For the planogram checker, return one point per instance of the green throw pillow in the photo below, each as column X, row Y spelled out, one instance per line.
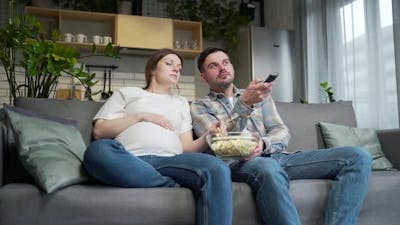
column 50, row 149
column 338, row 135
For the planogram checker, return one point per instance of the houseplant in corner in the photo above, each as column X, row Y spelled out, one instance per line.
column 220, row 20
column 12, row 38
column 43, row 59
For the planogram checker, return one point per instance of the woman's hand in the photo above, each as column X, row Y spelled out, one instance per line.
column 111, row 128
column 156, row 119
column 218, row 128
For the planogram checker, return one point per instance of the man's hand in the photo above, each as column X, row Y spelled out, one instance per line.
column 256, row 92
column 257, row 151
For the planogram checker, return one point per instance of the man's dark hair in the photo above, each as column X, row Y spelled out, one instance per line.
column 203, row 55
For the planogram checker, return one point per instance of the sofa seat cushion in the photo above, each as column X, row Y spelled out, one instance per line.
column 244, row 207
column 311, row 197
column 383, row 198
column 96, row 205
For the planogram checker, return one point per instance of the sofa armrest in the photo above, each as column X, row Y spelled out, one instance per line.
column 3, row 132
column 390, row 142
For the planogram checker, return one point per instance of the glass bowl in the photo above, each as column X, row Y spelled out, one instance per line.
column 235, row 145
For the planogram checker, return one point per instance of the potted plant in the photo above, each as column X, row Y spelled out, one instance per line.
column 12, row 38
column 326, row 91
column 106, row 6
column 124, row 6
column 220, row 20
column 42, row 57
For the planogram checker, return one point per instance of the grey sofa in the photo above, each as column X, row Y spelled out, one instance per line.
column 21, row 202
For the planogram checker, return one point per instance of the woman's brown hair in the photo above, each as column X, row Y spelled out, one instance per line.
column 154, row 59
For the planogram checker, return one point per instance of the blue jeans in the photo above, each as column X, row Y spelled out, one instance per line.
column 208, row 177
column 269, row 178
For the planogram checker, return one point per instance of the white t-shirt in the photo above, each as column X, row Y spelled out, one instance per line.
column 147, row 138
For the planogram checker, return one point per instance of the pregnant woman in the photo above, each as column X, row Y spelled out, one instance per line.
column 145, row 140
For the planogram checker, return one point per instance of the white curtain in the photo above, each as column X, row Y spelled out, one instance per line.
column 350, row 45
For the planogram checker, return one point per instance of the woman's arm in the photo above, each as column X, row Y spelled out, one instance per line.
column 200, row 144
column 111, row 128
column 190, row 145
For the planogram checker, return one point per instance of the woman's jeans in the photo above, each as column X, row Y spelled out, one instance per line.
column 269, row 177
column 208, row 177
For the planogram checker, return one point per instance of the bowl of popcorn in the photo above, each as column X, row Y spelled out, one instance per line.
column 234, row 145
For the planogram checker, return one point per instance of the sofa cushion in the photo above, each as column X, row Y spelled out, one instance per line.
column 80, row 111
column 338, row 135
column 50, row 149
column 104, row 205
column 303, row 119
column 96, row 205
column 13, row 171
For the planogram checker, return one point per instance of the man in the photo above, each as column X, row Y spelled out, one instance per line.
column 269, row 171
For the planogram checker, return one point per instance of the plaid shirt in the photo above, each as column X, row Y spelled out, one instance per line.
column 262, row 118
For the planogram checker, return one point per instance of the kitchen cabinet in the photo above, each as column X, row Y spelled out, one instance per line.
column 137, row 34
column 144, row 32
column 76, row 22
column 187, row 33
column 280, row 14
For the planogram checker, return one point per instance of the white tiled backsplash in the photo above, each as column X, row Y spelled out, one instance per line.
column 118, row 80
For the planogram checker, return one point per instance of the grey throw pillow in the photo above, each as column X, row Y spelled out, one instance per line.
column 50, row 149
column 80, row 111
column 338, row 135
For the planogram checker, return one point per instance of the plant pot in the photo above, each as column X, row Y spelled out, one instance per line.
column 125, row 7
column 40, row 3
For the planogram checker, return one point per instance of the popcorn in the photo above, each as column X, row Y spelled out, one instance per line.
column 235, row 147
column 235, row 144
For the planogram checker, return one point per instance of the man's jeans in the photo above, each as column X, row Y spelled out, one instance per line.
column 269, row 177
column 208, row 177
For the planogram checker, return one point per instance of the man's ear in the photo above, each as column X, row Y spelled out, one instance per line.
column 203, row 78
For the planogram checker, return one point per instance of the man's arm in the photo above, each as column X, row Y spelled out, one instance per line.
column 202, row 120
column 277, row 133
column 206, row 112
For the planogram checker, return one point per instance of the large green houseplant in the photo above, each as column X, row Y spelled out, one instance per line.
column 42, row 57
column 221, row 20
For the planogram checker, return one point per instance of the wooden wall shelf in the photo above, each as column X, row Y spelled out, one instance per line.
column 136, row 33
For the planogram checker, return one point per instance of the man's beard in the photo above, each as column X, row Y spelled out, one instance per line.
column 224, row 85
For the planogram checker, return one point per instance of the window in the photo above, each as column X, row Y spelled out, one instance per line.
column 360, row 62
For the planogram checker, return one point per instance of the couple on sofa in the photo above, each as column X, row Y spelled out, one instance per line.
column 144, row 139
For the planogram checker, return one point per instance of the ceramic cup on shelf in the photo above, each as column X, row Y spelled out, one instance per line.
column 106, row 40
column 177, row 44
column 193, row 44
column 81, row 38
column 68, row 37
column 97, row 39
column 186, row 44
